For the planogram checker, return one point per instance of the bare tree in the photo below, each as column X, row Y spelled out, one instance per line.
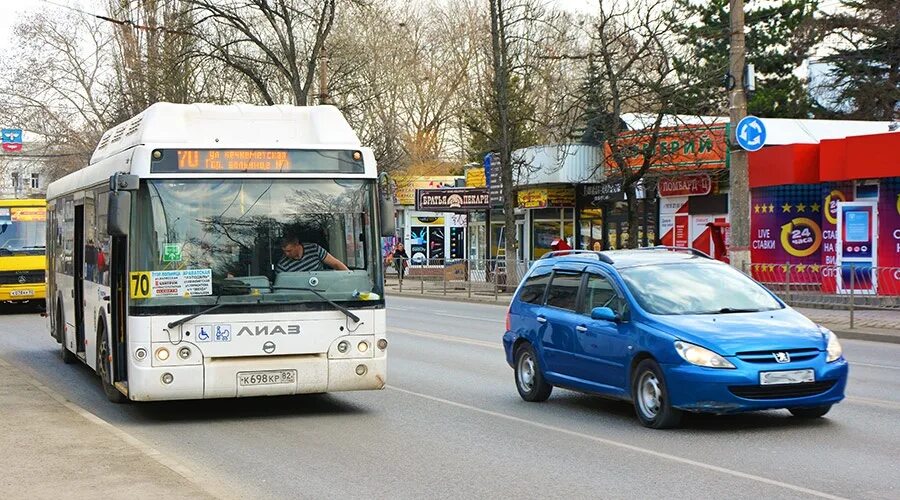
column 631, row 70
column 274, row 44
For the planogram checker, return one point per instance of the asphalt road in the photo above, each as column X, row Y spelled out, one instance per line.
column 450, row 425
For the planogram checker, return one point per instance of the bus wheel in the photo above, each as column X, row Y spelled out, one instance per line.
column 104, row 357
column 67, row 356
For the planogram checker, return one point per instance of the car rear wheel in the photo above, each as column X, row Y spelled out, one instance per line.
column 814, row 412
column 529, row 378
column 651, row 398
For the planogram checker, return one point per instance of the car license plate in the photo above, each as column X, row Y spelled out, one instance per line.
column 21, row 293
column 787, row 377
column 268, row 377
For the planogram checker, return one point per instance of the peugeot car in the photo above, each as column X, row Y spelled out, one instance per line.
column 670, row 330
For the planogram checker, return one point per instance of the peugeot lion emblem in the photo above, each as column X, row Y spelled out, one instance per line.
column 269, row 347
column 782, row 357
column 22, row 280
column 313, row 281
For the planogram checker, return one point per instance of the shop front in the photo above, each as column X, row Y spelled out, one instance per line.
column 828, row 214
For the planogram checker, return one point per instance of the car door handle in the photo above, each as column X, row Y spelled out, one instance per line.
column 581, row 328
column 541, row 319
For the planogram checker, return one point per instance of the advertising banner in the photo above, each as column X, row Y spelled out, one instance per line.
column 832, row 194
column 452, row 199
column 685, row 185
column 785, row 229
column 889, row 236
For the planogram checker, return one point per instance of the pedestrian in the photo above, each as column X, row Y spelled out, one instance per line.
column 400, row 259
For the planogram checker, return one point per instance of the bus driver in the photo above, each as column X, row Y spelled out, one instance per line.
column 305, row 257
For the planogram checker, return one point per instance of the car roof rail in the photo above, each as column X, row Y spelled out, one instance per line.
column 602, row 257
column 698, row 253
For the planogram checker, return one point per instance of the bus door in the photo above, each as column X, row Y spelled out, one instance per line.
column 78, row 273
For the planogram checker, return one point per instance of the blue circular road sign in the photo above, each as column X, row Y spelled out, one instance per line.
column 751, row 133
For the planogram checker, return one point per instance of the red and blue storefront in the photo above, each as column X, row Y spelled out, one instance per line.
column 828, row 214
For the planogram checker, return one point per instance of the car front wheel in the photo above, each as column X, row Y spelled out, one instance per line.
column 529, row 379
column 651, row 398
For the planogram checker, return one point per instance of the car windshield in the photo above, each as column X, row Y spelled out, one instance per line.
column 22, row 230
column 696, row 288
column 195, row 240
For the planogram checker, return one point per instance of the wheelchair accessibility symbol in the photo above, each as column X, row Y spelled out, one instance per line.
column 203, row 333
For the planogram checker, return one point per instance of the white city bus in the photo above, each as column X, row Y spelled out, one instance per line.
column 164, row 251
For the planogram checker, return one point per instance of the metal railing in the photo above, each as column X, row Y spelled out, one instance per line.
column 851, row 288
column 470, row 278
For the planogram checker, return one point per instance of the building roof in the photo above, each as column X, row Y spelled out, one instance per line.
column 778, row 130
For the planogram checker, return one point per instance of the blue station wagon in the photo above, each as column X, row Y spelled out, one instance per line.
column 670, row 330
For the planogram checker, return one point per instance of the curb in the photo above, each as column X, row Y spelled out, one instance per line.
column 486, row 301
column 841, row 332
column 868, row 336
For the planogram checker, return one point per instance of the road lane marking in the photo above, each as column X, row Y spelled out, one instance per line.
column 501, row 321
column 873, row 365
column 446, row 338
column 626, row 446
column 893, row 405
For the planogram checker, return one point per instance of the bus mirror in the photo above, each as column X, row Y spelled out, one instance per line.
column 118, row 213
column 388, row 226
column 123, row 182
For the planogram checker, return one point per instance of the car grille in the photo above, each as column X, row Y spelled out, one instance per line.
column 781, row 391
column 769, row 356
column 14, row 277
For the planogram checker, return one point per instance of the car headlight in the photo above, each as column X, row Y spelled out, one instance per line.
column 834, row 347
column 700, row 356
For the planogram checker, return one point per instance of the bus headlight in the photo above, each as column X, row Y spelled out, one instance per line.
column 184, row 352
column 167, row 378
column 361, row 370
column 363, row 346
column 382, row 344
column 162, row 354
column 343, row 346
column 140, row 353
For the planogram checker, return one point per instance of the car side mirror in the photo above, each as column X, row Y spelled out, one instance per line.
column 604, row 314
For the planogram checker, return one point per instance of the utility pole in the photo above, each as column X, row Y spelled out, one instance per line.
column 738, row 175
column 323, row 77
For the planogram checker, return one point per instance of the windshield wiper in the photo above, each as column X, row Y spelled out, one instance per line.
column 242, row 290
column 337, row 306
column 730, row 310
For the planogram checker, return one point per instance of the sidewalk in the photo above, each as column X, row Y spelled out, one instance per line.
column 878, row 326
column 54, row 449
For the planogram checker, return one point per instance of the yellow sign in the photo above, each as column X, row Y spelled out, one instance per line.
column 475, row 178
column 28, row 214
column 139, row 284
column 406, row 186
column 546, row 197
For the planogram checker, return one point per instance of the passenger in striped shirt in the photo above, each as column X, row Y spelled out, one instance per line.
column 305, row 257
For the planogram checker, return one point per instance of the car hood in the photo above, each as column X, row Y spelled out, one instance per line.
column 731, row 333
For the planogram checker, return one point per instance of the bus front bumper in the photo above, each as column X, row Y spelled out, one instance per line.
column 252, row 376
column 24, row 292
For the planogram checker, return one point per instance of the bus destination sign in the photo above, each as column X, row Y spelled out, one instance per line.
column 256, row 160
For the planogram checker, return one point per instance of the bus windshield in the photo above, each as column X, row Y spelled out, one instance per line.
column 22, row 230
column 223, row 241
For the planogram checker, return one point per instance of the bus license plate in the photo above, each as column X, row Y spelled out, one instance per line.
column 268, row 377
column 21, row 293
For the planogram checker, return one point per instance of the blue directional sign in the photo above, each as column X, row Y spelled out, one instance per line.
column 11, row 135
column 751, row 133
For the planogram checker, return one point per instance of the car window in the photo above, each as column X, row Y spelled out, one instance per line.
column 600, row 293
column 564, row 290
column 533, row 289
